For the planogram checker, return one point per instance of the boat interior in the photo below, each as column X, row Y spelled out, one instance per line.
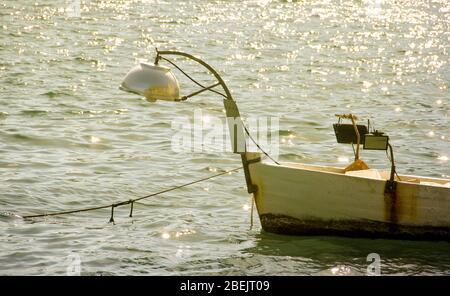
column 374, row 140
column 370, row 174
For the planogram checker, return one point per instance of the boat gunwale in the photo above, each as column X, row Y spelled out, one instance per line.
column 340, row 171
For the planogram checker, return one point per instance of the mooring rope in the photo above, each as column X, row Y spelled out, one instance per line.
column 127, row 202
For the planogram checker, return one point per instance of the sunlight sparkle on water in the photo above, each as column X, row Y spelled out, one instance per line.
column 185, row 232
column 343, row 159
column 94, row 140
column 341, row 270
column 206, row 119
column 443, row 158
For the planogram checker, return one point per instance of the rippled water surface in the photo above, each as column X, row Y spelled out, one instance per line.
column 69, row 138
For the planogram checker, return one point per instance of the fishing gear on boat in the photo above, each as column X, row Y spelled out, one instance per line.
column 361, row 135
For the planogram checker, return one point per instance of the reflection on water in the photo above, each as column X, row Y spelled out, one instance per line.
column 69, row 138
column 351, row 253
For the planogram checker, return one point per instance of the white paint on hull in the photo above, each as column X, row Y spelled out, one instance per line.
column 307, row 193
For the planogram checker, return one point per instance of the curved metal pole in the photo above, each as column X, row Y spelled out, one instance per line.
column 232, row 112
column 358, row 137
column 235, row 125
column 392, row 176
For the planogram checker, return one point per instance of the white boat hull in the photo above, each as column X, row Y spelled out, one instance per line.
column 313, row 200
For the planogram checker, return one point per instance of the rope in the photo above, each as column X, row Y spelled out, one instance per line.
column 390, row 160
column 251, row 212
column 192, row 79
column 131, row 201
column 257, row 145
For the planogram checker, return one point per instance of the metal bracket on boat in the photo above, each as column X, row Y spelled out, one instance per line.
column 390, row 187
column 390, row 192
column 251, row 188
column 391, row 184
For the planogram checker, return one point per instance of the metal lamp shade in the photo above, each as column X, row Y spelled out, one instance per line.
column 153, row 82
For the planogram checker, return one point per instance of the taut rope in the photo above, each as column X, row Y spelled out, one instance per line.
column 126, row 202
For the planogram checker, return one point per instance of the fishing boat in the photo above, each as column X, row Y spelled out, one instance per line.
column 301, row 199
column 304, row 199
